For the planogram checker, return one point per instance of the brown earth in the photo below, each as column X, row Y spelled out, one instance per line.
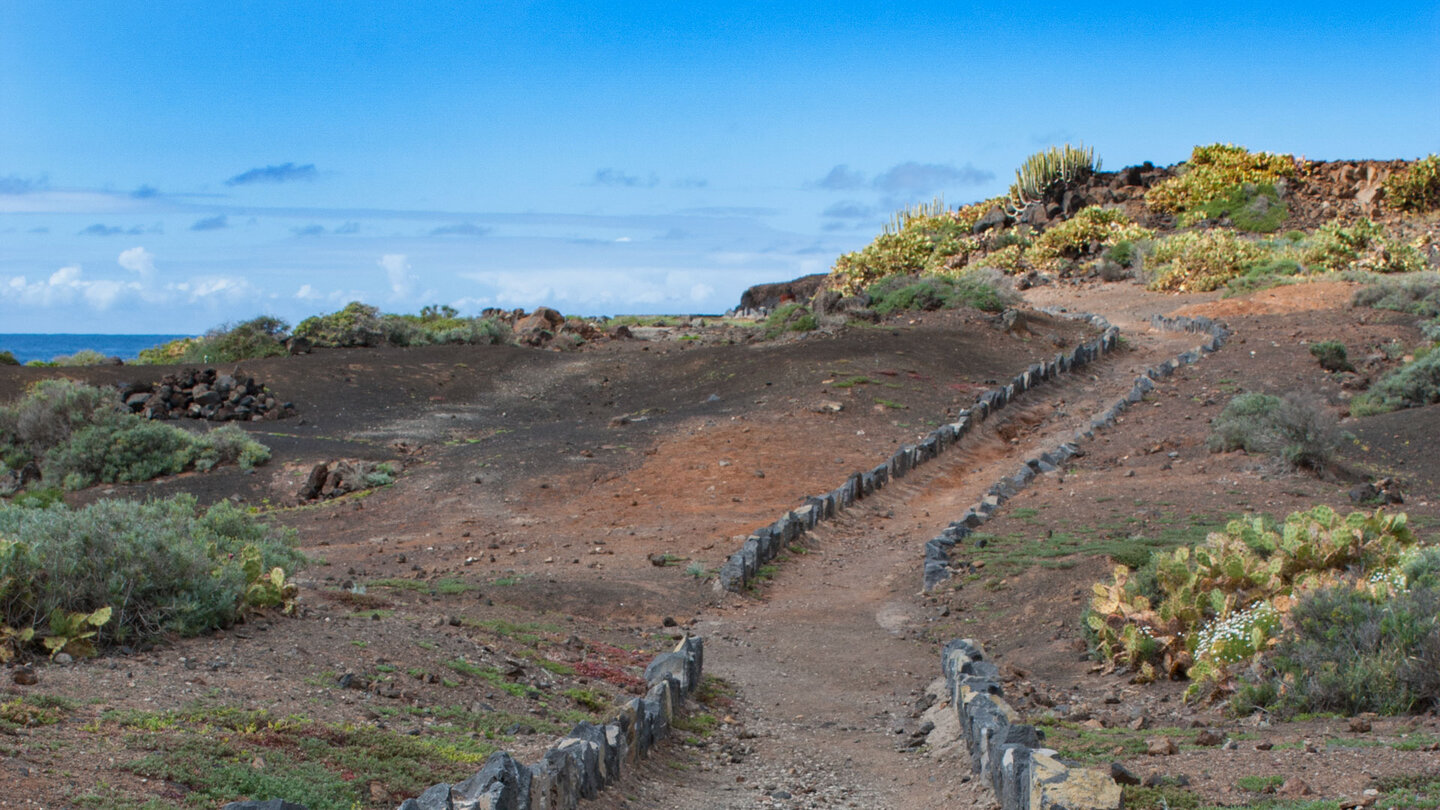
column 527, row 526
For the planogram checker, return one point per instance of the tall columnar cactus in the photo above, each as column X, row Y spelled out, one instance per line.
column 1040, row 170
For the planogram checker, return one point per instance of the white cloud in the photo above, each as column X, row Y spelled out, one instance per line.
column 138, row 260
column 397, row 270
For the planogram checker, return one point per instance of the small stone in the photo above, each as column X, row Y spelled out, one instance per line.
column 1160, row 747
column 669, row 621
column 1264, row 746
column 1139, row 723
column 1208, row 737
column 63, row 658
column 1122, row 775
column 1294, row 786
column 1359, row 725
column 25, row 676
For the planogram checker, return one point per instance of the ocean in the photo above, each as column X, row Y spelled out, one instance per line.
column 48, row 347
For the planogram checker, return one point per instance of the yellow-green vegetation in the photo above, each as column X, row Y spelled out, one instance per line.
column 259, row 337
column 1418, row 381
column 84, row 357
column 1417, row 188
column 78, row 437
column 1072, row 238
column 1252, row 207
column 1040, row 171
column 921, row 244
column 1202, row 613
column 1363, row 245
column 1200, row 261
column 122, row 572
column 1213, row 171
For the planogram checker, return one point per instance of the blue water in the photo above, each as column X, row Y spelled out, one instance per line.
column 48, row 347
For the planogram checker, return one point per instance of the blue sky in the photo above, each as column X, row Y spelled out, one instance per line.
column 166, row 167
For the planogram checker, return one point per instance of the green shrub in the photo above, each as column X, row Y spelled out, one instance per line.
column 1412, row 385
column 258, row 337
column 79, row 437
column 977, row 289
column 363, row 325
column 1263, row 275
column 1417, row 188
column 1300, row 432
column 1416, row 294
column 1252, row 207
column 790, row 317
column 8, row 359
column 1123, row 253
column 1332, row 355
column 84, row 357
column 1072, row 238
column 1200, row 261
column 161, row 566
column 1040, row 171
column 1353, row 651
column 1215, row 169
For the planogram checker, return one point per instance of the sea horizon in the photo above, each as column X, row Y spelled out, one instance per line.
column 46, row 346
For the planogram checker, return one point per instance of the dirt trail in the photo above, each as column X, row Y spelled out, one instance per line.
column 831, row 660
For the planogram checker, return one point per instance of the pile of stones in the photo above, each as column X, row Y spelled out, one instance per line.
column 204, row 394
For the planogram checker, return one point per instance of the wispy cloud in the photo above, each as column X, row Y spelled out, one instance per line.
column 919, row 178
column 101, row 229
column 283, row 173
column 214, row 223
column 15, row 184
column 347, row 228
column 145, row 192
column 616, row 178
column 309, row 230
column 690, row 182
column 460, row 229
column 849, row 209
column 138, row 260
column 841, row 178
column 397, row 272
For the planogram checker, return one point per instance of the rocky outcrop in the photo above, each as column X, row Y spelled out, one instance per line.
column 204, row 394
column 769, row 296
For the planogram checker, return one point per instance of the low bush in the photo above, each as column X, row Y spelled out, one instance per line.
column 1300, row 432
column 1252, row 207
column 79, row 437
column 258, row 337
column 1412, row 385
column 1416, row 294
column 363, row 325
column 1073, row 238
column 1353, row 650
column 158, row 567
column 977, row 289
column 791, row 317
column 1213, row 171
column 1200, row 261
column 84, row 357
column 1332, row 355
column 1417, row 188
column 1263, row 275
column 8, row 359
column 1363, row 246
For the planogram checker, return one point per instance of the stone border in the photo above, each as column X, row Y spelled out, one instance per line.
column 578, row 766
column 937, row 549
column 1006, row 753
column 763, row 544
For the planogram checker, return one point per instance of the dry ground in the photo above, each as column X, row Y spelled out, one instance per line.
column 522, row 538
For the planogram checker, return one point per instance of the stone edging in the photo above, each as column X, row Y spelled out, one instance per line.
column 589, row 758
column 762, row 545
column 1005, row 752
column 937, row 549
